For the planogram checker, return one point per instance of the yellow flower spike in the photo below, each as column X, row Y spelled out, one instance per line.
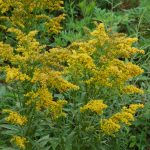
column 123, row 117
column 19, row 141
column 134, row 70
column 127, row 114
column 131, row 89
column 96, row 106
column 53, row 25
column 6, row 51
column 88, row 47
column 133, row 107
column 109, row 127
column 83, row 59
column 43, row 100
column 121, row 46
column 15, row 74
column 24, row 11
column 52, row 78
column 114, row 73
column 100, row 34
column 15, row 118
column 112, row 125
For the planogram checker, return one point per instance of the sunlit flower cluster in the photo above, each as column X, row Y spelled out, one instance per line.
column 96, row 61
column 120, row 47
column 83, row 68
column 96, row 106
column 112, row 125
column 115, row 73
column 27, row 14
column 100, row 34
column 53, row 26
column 43, row 99
column 5, row 51
column 132, row 89
column 15, row 118
column 14, row 74
column 19, row 141
column 31, row 63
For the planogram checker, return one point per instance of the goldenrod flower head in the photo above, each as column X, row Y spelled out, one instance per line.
column 56, row 109
column 84, row 61
column 88, row 47
column 125, row 116
column 100, row 34
column 131, row 89
column 54, row 79
column 15, row 74
column 133, row 108
column 121, row 46
column 43, row 100
column 53, row 26
column 24, row 13
column 6, row 51
column 114, row 73
column 19, row 141
column 96, row 106
column 15, row 118
column 109, row 127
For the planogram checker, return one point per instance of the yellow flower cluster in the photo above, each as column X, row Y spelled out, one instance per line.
column 51, row 5
column 53, row 26
column 53, row 79
column 130, row 89
column 44, row 96
column 120, row 46
column 5, row 51
column 28, row 48
column 100, row 34
column 126, row 116
column 115, row 73
column 25, row 14
column 13, row 74
column 83, row 60
column 28, row 53
column 15, row 118
column 29, row 61
column 87, row 47
column 43, row 100
column 109, row 127
column 56, row 109
column 96, row 61
column 19, row 141
column 96, row 106
column 132, row 108
column 55, row 58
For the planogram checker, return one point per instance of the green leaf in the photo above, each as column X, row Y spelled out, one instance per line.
column 6, row 148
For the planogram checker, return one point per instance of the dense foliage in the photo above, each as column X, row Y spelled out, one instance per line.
column 70, row 78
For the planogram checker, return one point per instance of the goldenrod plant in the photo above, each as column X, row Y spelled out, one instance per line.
column 32, row 15
column 65, row 98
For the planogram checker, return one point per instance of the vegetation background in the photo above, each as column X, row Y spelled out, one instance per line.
column 125, row 16
column 131, row 17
